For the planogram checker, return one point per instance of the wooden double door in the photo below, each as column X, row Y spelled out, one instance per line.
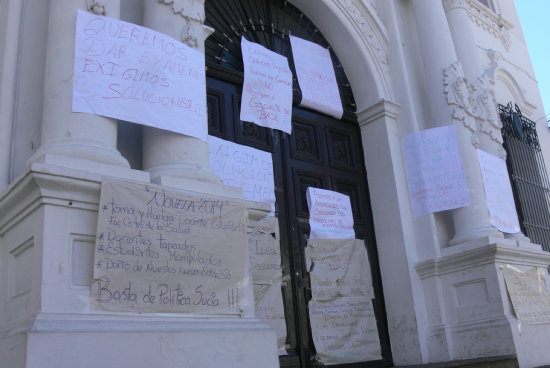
column 321, row 152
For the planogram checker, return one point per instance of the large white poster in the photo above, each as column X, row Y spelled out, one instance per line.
column 498, row 192
column 343, row 324
column 435, row 175
column 267, row 88
column 330, row 215
column 165, row 251
column 245, row 167
column 266, row 273
column 128, row 72
column 316, row 77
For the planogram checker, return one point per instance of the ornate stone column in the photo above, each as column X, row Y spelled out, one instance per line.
column 67, row 136
column 171, row 158
column 450, row 103
column 479, row 73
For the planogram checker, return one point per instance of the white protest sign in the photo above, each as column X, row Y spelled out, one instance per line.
column 269, row 307
column 498, row 192
column 339, row 268
column 267, row 88
column 344, row 330
column 316, row 77
column 330, row 215
column 163, row 251
column 265, row 251
column 266, row 274
column 245, row 167
column 529, row 294
column 128, row 72
column 435, row 175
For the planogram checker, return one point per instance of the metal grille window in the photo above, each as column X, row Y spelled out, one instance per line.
column 527, row 174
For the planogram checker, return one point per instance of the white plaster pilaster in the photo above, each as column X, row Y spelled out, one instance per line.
column 480, row 81
column 66, row 135
column 396, row 250
column 10, row 24
column 449, row 102
column 166, row 154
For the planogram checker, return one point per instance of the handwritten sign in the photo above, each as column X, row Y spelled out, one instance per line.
column 498, row 192
column 163, row 251
column 343, row 324
column 344, row 330
column 529, row 294
column 316, row 77
column 330, row 215
column 266, row 274
column 268, row 304
column 339, row 268
column 245, row 167
column 132, row 73
column 267, row 87
column 265, row 252
column 435, row 175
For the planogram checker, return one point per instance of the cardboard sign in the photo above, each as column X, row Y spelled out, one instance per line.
column 245, row 167
column 267, row 87
column 435, row 175
column 330, row 215
column 164, row 251
column 316, row 77
column 132, row 73
column 498, row 192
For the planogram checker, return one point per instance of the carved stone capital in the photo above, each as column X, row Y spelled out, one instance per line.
column 484, row 18
column 486, row 107
column 98, row 7
column 191, row 10
column 458, row 95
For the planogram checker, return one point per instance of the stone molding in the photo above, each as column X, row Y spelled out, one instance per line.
column 496, row 251
column 362, row 16
column 484, row 18
column 384, row 108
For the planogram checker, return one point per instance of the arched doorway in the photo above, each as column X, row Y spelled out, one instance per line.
column 321, row 152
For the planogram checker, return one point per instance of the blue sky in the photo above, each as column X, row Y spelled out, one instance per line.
column 534, row 16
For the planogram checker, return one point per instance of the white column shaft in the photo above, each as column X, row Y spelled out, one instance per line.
column 76, row 135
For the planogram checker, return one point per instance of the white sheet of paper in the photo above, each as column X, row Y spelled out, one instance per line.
column 269, row 306
column 344, row 330
column 267, row 87
column 330, row 215
column 265, row 251
column 168, row 251
column 435, row 175
column 340, row 268
column 498, row 191
column 529, row 294
column 316, row 77
column 245, row 167
column 128, row 72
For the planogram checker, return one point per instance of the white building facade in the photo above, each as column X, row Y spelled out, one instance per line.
column 440, row 293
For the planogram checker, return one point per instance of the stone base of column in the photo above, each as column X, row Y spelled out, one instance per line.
column 48, row 222
column 468, row 308
column 475, row 233
column 66, row 150
column 65, row 340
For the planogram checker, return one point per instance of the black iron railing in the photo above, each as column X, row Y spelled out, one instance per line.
column 528, row 175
